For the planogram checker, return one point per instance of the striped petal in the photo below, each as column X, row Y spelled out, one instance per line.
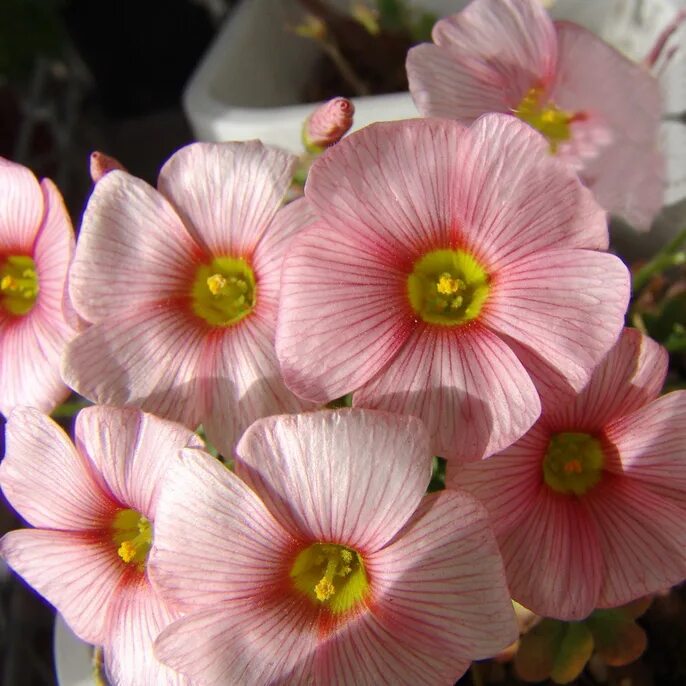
column 21, row 209
column 348, row 476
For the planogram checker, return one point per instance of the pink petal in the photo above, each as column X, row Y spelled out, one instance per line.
column 133, row 250
column 364, row 651
column 21, row 209
column 508, row 46
column 567, row 305
column 343, row 315
column 553, row 557
column 627, row 177
column 441, row 585
column 504, row 481
column 47, row 480
column 651, row 444
column 630, row 376
column 77, row 572
column 243, row 380
column 132, row 450
column 641, row 536
column 243, row 642
column 149, row 357
column 214, row 539
column 464, row 383
column 227, row 193
column 137, row 616
column 346, row 476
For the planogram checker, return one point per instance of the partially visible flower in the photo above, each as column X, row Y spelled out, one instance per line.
column 181, row 286
column 599, row 111
column 335, row 568
column 101, row 164
column 589, row 506
column 328, row 124
column 36, row 247
column 94, row 508
column 438, row 263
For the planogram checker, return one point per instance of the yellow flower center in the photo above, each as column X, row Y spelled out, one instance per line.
column 447, row 287
column 546, row 118
column 18, row 284
column 132, row 534
column 223, row 291
column 331, row 575
column 573, row 463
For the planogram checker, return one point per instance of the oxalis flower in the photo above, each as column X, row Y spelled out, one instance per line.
column 434, row 261
column 335, row 568
column 36, row 246
column 94, row 508
column 599, row 111
column 181, row 287
column 588, row 507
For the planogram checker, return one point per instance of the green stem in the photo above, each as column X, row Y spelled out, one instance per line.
column 669, row 256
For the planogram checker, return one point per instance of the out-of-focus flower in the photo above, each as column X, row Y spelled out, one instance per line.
column 588, row 507
column 335, row 568
column 181, row 285
column 93, row 507
column 439, row 266
column 36, row 247
column 328, row 124
column 599, row 111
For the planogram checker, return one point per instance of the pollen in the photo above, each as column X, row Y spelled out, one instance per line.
column 324, row 589
column 132, row 536
column 18, row 284
column 551, row 121
column 447, row 287
column 573, row 463
column 216, row 283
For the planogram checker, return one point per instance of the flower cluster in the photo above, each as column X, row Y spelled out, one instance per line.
column 449, row 280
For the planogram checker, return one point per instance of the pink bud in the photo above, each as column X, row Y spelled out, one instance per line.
column 328, row 124
column 102, row 164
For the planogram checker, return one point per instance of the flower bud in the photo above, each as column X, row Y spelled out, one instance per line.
column 102, row 164
column 328, row 124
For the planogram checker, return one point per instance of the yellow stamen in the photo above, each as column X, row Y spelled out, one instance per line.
column 132, row 534
column 18, row 284
column 573, row 467
column 127, row 551
column 216, row 283
column 573, row 463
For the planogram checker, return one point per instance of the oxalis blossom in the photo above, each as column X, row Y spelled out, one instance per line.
column 438, row 265
column 181, row 287
column 335, row 568
column 599, row 111
column 589, row 506
column 94, row 507
column 36, row 246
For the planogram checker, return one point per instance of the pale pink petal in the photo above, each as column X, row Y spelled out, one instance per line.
column 243, row 642
column 136, row 618
column 467, row 386
column 243, row 380
column 215, row 540
column 133, row 249
column 77, row 572
column 343, row 315
column 566, row 305
column 149, row 357
column 365, row 651
column 627, row 177
column 504, row 481
column 273, row 246
column 132, row 450
column 642, row 539
column 440, row 585
column 227, row 193
column 30, row 350
column 651, row 444
column 630, row 376
column 486, row 58
column 553, row 557
column 346, row 476
column 47, row 480
column 21, row 208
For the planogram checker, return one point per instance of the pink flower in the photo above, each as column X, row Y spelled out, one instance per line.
column 599, row 111
column 182, row 286
column 439, row 266
column 328, row 124
column 335, row 568
column 36, row 246
column 94, row 508
column 589, row 506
